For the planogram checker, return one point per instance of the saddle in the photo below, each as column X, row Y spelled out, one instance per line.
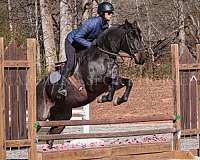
column 55, row 76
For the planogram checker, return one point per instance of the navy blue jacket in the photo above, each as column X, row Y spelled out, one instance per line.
column 88, row 31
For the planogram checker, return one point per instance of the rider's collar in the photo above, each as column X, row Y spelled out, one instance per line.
column 104, row 21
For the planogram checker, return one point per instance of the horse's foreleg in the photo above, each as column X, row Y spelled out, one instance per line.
column 111, row 92
column 128, row 83
column 112, row 82
column 108, row 97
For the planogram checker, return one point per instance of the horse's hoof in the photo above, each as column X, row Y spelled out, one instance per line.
column 116, row 102
column 50, row 144
column 103, row 99
column 100, row 100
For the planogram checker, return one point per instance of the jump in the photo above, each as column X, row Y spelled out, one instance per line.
column 97, row 70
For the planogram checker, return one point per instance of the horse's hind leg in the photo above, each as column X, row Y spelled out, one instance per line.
column 128, row 83
column 59, row 112
column 54, row 130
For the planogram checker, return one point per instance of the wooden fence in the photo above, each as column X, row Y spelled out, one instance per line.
column 18, row 97
column 18, row 101
column 128, row 151
column 186, row 73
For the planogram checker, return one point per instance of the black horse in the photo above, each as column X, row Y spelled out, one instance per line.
column 98, row 72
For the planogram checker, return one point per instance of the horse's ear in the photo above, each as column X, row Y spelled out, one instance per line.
column 135, row 24
column 127, row 23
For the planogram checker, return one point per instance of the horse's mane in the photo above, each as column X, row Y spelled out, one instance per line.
column 105, row 32
column 82, row 55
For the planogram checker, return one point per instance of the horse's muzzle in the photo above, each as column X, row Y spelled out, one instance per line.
column 140, row 62
column 139, row 58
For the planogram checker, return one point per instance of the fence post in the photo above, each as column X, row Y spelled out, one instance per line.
column 31, row 90
column 2, row 104
column 86, row 116
column 198, row 79
column 176, row 79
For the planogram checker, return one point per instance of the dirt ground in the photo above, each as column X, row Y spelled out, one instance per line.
column 147, row 97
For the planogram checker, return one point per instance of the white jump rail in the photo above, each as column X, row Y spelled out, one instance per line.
column 82, row 113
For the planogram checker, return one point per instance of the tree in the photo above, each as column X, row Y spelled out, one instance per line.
column 181, row 23
column 65, row 26
column 9, row 16
column 94, row 7
column 48, row 36
column 86, row 9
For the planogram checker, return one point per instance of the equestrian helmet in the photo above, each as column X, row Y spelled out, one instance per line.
column 105, row 7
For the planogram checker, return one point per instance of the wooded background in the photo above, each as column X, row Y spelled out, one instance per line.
column 161, row 21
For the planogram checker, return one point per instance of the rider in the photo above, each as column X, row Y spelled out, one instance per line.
column 81, row 38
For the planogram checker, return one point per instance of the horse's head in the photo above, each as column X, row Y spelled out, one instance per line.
column 133, row 42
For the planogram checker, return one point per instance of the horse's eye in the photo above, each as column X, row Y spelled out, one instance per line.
column 131, row 36
column 131, row 32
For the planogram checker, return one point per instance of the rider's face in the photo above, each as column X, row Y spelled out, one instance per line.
column 108, row 16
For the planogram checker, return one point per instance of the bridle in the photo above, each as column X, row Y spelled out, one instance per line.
column 131, row 47
column 110, row 53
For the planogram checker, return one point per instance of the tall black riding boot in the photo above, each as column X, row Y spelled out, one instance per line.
column 62, row 92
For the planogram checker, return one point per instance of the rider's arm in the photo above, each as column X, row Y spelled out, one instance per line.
column 84, row 30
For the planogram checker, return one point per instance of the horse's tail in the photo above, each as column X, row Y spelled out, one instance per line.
column 44, row 102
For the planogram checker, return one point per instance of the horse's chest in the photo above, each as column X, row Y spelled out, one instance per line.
column 100, row 68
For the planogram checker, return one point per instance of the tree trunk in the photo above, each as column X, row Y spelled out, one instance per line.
column 65, row 26
column 38, row 58
column 86, row 10
column 181, row 26
column 9, row 16
column 94, row 7
column 48, row 36
column 79, row 11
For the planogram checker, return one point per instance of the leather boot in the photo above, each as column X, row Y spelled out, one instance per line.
column 62, row 92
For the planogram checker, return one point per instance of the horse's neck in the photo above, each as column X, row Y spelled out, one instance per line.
column 110, row 40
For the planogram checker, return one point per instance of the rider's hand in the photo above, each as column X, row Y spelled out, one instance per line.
column 94, row 43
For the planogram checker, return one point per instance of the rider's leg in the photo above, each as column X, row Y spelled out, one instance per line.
column 68, row 67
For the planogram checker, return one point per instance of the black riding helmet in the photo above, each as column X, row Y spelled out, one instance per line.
column 104, row 7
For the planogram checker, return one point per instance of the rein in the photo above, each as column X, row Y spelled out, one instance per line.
column 112, row 53
column 130, row 46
